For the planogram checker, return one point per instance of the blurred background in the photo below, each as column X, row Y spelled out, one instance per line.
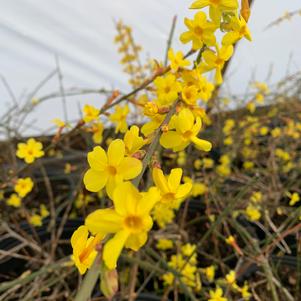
column 77, row 36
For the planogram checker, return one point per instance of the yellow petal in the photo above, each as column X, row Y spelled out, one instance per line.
column 209, row 56
column 184, row 121
column 97, row 158
column 112, row 183
column 199, row 4
column 104, row 221
column 202, row 144
column 95, row 180
column 197, row 126
column 129, row 168
column 174, row 179
column 113, row 248
column 125, row 198
column 116, row 152
column 136, row 241
column 79, row 237
column 170, row 139
column 160, row 180
column 183, row 190
column 150, row 198
column 230, row 38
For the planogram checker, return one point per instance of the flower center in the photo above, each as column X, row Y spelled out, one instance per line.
column 198, row 30
column 219, row 61
column 167, row 89
column 188, row 94
column 187, row 134
column 168, row 197
column 112, row 170
column 133, row 222
column 89, row 248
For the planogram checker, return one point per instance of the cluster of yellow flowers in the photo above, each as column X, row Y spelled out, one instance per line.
column 185, row 263
column 130, row 54
column 173, row 106
column 22, row 187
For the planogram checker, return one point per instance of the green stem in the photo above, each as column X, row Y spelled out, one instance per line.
column 89, row 281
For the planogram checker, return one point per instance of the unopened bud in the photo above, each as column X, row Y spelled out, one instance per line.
column 164, row 128
column 245, row 10
column 150, row 109
column 139, row 154
column 108, row 281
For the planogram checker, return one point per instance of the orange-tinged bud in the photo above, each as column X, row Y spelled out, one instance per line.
column 245, row 10
column 139, row 154
column 108, row 281
column 164, row 128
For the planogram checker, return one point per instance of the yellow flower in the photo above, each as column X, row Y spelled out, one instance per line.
column 97, row 130
column 217, row 295
column 251, row 107
column 263, row 131
column 186, row 130
column 67, row 168
column 164, row 244
column 44, row 211
column 197, row 188
column 294, row 198
column 194, row 78
column 230, row 240
column 216, row 61
column 58, row 122
column 239, row 29
column 205, row 88
column 229, row 125
column 262, row 87
column 119, row 118
column 23, row 186
column 110, row 169
column 256, row 197
column 163, row 214
column 168, row 278
column 129, row 221
column 150, row 109
column 177, row 60
column 14, row 200
column 167, row 89
column 83, row 247
column 149, row 127
column 228, row 141
column 248, row 165
column 231, row 277
column 208, row 163
column 90, row 113
column 253, row 213
column 210, row 273
column 172, row 192
column 36, row 220
column 276, row 132
column 200, row 31
column 245, row 291
column 190, row 95
column 181, row 160
column 188, row 249
column 30, row 150
column 132, row 141
column 216, row 7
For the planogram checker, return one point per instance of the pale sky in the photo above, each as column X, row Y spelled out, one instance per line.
column 81, row 33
